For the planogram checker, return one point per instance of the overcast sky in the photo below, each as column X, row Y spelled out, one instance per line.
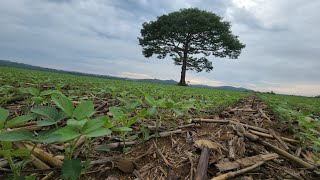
column 100, row 36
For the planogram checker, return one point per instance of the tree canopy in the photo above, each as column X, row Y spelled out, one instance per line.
column 189, row 36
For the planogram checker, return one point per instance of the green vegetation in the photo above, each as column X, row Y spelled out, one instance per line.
column 188, row 34
column 301, row 114
column 68, row 107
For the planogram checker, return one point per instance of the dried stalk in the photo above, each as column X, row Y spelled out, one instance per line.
column 44, row 156
column 285, row 154
column 283, row 144
column 202, row 168
column 35, row 161
column 236, row 173
column 245, row 162
column 231, row 122
column 270, row 136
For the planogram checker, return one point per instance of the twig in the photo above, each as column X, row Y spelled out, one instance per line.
column 236, row 173
column 162, row 134
column 231, row 122
column 161, row 155
column 44, row 156
column 285, row 154
column 191, row 162
column 245, row 162
column 283, row 144
column 137, row 174
column 201, row 172
column 264, row 115
column 270, row 136
column 48, row 176
column 35, row 161
column 298, row 151
column 231, row 149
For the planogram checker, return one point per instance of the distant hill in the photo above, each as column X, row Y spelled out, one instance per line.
column 158, row 81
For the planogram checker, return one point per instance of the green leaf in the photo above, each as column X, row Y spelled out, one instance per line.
column 125, row 101
column 63, row 103
column 18, row 135
column 77, row 124
column 3, row 116
column 84, row 110
column 67, row 133
column 49, row 92
column 49, row 136
column 116, row 113
column 108, row 124
column 151, row 100
column 46, row 111
column 5, row 153
column 121, row 129
column 20, row 120
column 152, row 111
column 180, row 113
column 102, row 148
column 6, row 145
column 97, row 132
column 94, row 124
column 37, row 99
column 21, row 152
column 30, row 178
column 33, row 91
column 47, row 122
column 71, row 169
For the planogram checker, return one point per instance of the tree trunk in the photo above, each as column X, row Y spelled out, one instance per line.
column 184, row 69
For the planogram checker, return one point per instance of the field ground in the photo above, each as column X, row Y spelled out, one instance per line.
column 152, row 131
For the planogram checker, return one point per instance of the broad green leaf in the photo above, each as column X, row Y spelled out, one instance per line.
column 3, row 116
column 116, row 113
column 63, row 103
column 151, row 100
column 121, row 129
column 18, row 135
column 37, row 99
column 84, row 110
column 47, row 122
column 97, row 132
column 71, row 169
column 108, row 124
column 21, row 152
column 77, row 124
column 67, row 133
column 49, row 92
column 33, row 91
column 20, row 120
column 93, row 124
column 48, row 136
column 131, row 121
column 122, row 100
column 46, row 111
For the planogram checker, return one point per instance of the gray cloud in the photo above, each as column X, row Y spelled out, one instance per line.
column 101, row 37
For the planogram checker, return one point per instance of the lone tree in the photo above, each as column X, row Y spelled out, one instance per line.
column 189, row 36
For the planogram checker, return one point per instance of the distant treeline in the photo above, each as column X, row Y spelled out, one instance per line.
column 158, row 81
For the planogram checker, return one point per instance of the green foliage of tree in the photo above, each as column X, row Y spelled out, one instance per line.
column 188, row 34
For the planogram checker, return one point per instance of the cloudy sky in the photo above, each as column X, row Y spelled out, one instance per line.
column 100, row 36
